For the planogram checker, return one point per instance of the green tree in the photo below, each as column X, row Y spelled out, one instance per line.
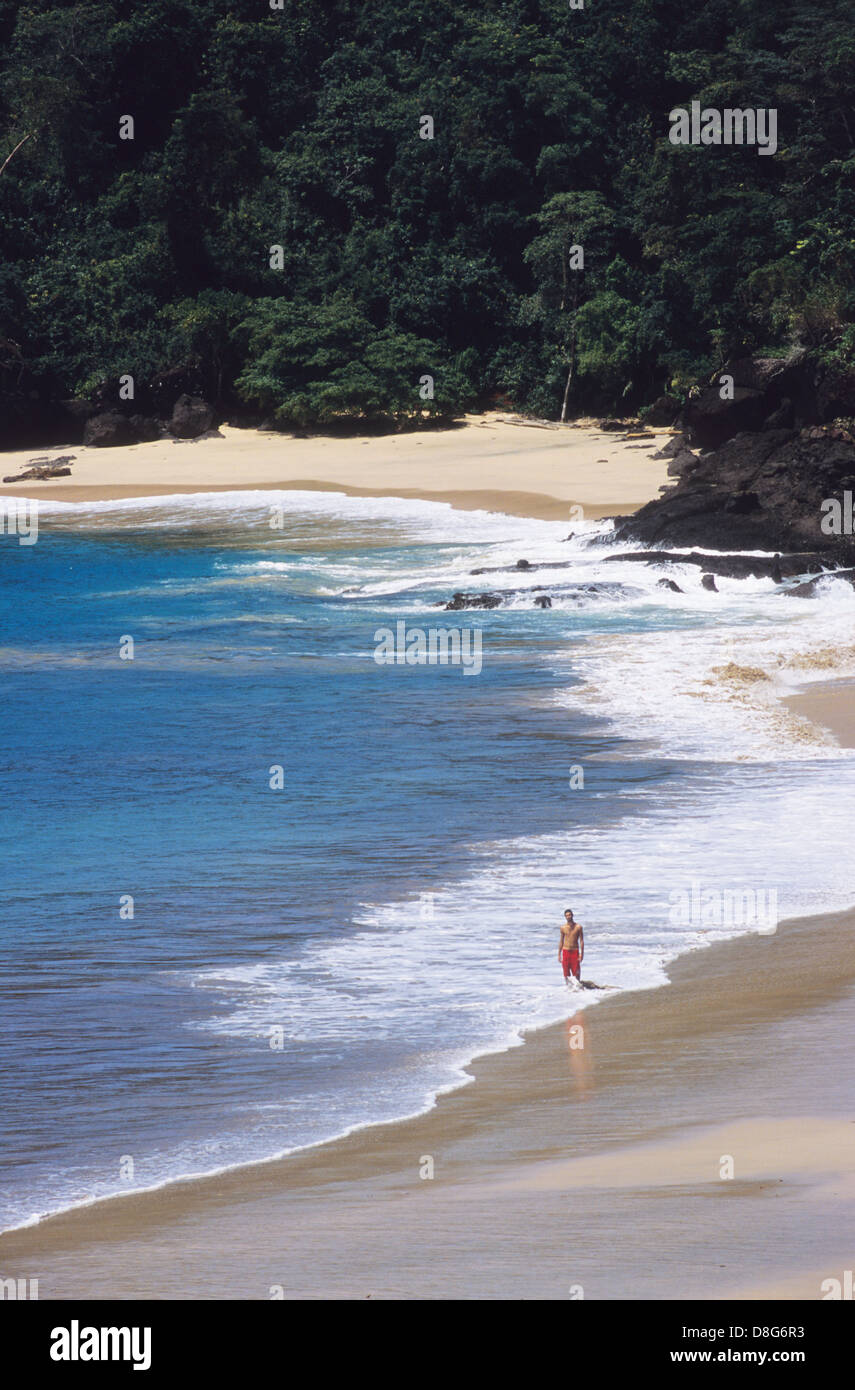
column 576, row 234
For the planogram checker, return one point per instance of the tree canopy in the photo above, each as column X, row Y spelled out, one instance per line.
column 401, row 256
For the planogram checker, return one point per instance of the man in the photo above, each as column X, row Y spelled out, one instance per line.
column 571, row 946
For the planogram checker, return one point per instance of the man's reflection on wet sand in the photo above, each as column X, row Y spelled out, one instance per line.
column 578, row 1033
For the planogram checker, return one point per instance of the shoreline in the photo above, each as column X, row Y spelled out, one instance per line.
column 610, row 1138
column 829, row 704
column 478, row 465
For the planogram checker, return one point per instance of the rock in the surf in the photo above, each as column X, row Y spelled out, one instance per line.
column 809, row 587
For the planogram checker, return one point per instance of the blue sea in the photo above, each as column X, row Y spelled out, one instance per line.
column 260, row 889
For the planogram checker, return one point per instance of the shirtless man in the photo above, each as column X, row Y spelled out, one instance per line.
column 571, row 946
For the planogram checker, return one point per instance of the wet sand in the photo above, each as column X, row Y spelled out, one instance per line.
column 601, row 1166
column 831, row 704
column 481, row 464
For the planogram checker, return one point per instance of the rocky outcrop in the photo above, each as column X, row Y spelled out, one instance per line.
column 757, row 492
column 759, row 393
column 710, row 420
column 109, row 431
column 682, row 462
column 809, row 587
column 769, row 393
column 191, row 417
column 147, row 429
column 775, row 567
column 675, row 446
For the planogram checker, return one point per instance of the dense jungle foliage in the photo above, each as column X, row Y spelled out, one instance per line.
column 301, row 127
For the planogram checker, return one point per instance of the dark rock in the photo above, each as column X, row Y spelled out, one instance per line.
column 711, row 420
column 781, row 419
column 743, row 504
column 810, row 586
column 761, row 386
column 460, row 600
column 191, row 417
column 669, row 584
column 146, row 428
column 600, row 589
column 680, row 463
column 757, row 492
column 523, row 565
column 708, row 582
column 41, row 471
column 109, row 430
column 618, row 425
column 732, row 566
column 674, row 446
column 773, row 376
column 663, row 412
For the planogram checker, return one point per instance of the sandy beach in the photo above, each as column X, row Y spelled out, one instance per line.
column 478, row 464
column 591, row 1158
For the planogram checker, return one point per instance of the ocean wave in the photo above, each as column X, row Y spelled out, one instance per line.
column 254, row 507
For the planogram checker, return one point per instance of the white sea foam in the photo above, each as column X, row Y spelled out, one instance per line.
column 483, row 966
column 421, row 518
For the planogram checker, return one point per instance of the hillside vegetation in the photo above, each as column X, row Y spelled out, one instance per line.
column 404, row 257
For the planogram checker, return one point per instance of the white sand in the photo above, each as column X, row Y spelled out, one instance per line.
column 487, row 462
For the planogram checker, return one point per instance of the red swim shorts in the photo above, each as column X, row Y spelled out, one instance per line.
column 570, row 963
